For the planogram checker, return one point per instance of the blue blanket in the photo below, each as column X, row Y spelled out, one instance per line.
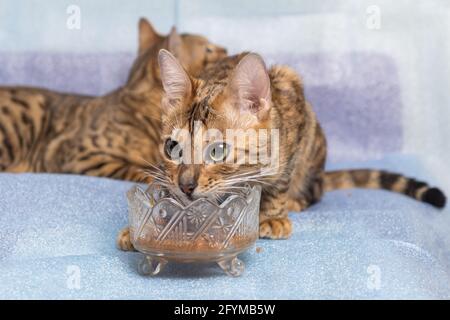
column 57, row 240
column 57, row 235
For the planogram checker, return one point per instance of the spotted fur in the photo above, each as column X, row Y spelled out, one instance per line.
column 109, row 136
column 302, row 145
column 379, row 179
column 300, row 180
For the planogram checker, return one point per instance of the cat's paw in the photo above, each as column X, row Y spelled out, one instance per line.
column 124, row 241
column 275, row 228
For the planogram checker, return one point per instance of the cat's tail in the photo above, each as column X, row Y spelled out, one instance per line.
column 379, row 179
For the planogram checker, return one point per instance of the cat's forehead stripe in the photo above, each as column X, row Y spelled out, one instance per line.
column 199, row 112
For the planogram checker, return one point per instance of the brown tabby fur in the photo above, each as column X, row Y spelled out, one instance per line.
column 302, row 145
column 115, row 135
column 109, row 136
column 299, row 180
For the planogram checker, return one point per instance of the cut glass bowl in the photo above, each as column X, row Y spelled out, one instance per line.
column 164, row 229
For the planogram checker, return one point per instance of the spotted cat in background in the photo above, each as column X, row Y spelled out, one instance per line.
column 109, row 136
column 240, row 93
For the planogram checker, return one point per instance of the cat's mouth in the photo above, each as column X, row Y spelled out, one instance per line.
column 217, row 198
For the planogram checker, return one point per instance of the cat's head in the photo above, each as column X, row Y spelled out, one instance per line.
column 193, row 51
column 207, row 143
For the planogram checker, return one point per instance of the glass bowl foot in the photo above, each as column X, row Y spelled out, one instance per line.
column 150, row 266
column 233, row 267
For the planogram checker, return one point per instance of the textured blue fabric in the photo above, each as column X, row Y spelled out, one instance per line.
column 353, row 244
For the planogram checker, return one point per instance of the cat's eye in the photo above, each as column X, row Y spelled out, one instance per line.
column 217, row 152
column 173, row 150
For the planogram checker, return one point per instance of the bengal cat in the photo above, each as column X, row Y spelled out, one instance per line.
column 110, row 136
column 240, row 93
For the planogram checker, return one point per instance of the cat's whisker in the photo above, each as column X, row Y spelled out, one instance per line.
column 250, row 176
column 156, row 177
column 150, row 173
column 244, row 174
column 152, row 165
column 260, row 172
column 229, row 189
column 155, row 174
column 232, row 187
column 160, row 182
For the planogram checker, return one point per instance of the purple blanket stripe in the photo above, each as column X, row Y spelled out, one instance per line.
column 348, row 91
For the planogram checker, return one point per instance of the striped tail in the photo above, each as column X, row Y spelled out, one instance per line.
column 377, row 179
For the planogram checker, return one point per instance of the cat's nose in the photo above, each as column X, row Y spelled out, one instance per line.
column 188, row 188
column 187, row 179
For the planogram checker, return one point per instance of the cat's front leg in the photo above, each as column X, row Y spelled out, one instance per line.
column 123, row 240
column 274, row 222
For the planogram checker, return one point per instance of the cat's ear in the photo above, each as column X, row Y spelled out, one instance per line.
column 147, row 35
column 250, row 85
column 174, row 42
column 176, row 82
